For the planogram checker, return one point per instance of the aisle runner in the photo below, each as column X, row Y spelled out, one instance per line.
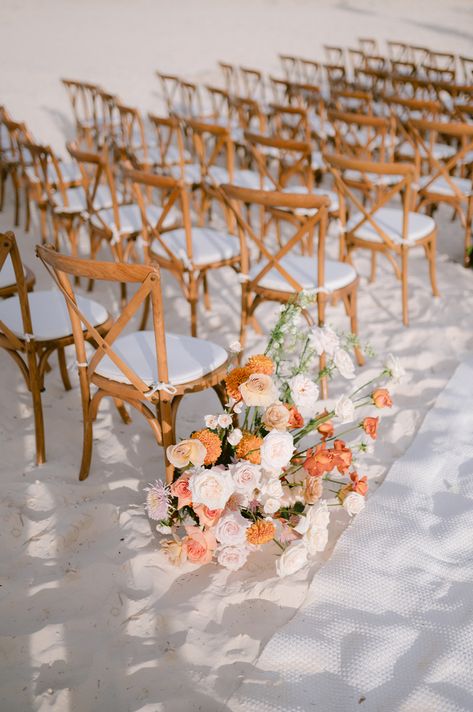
column 388, row 622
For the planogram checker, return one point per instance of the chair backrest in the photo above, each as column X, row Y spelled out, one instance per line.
column 146, row 278
column 313, row 214
column 398, row 51
column 356, row 57
column 222, row 109
column 334, row 54
column 290, row 67
column 289, row 122
column 9, row 252
column 369, row 45
column 403, row 67
column 170, row 87
column 250, row 114
column 169, row 140
column 442, row 60
column 311, row 71
column 82, row 97
column 230, row 78
column 335, row 74
column 292, row 158
column 419, row 54
column 466, row 64
column 213, row 146
column 108, row 119
column 191, row 100
column 47, row 169
column 253, row 83
column 426, row 134
column 354, row 100
column 16, row 134
column 363, row 136
column 350, row 202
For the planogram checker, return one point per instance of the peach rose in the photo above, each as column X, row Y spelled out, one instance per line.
column 185, row 452
column 207, row 517
column 381, row 398
column 276, row 417
column 319, row 461
column 370, row 426
column 180, row 489
column 199, row 545
column 259, row 389
column 312, row 489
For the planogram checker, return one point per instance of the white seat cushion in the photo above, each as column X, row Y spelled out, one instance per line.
column 390, row 221
column 77, row 201
column 317, row 161
column 130, row 218
column 70, row 173
column 49, row 315
column 246, row 178
column 208, row 245
column 359, row 177
column 303, row 190
column 323, row 128
column 439, row 151
column 188, row 358
column 304, row 271
column 441, row 186
column 7, row 274
column 192, row 173
column 155, row 157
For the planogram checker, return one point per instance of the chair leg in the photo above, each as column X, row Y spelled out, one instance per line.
column 193, row 299
column 2, row 187
column 323, row 358
column 35, row 388
column 205, row 284
column 145, row 315
column 221, row 392
column 86, row 447
column 468, row 225
column 404, row 285
column 61, row 356
column 373, row 266
column 167, row 430
column 430, row 252
column 353, row 301
column 27, row 211
column 16, row 188
column 124, row 415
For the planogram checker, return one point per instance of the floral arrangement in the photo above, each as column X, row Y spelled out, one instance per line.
column 238, row 487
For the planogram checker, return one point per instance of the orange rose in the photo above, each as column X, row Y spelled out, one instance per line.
column 342, row 456
column 180, row 489
column 381, row 398
column 319, row 461
column 370, row 426
column 199, row 545
column 207, row 517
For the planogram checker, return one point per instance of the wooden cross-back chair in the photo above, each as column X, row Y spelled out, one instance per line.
column 230, row 78
column 251, row 117
column 441, row 185
column 107, row 117
column 368, row 45
column 82, row 97
column 292, row 123
column 34, row 326
column 336, row 75
column 398, row 51
column 291, row 67
column 334, row 55
column 253, row 84
column 8, row 282
column 356, row 57
column 439, row 74
column 136, row 142
column 466, row 64
column 169, row 142
column 378, row 226
column 404, row 67
column 222, row 110
column 311, row 71
column 170, row 88
column 283, row 92
column 356, row 100
column 443, row 60
column 14, row 162
column 372, row 80
column 149, row 370
column 188, row 251
column 419, row 54
column 363, row 136
column 375, row 61
column 191, row 101
column 281, row 271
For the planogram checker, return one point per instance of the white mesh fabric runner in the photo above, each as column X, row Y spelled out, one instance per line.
column 388, row 622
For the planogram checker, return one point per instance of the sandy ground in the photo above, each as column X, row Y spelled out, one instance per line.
column 91, row 615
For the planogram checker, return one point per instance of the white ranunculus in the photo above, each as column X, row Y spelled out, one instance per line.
column 245, row 476
column 224, row 420
column 354, row 503
column 211, row 421
column 276, row 450
column 324, row 340
column 344, row 363
column 345, row 409
column 305, row 394
column 292, row 559
column 232, row 557
column 212, row 487
column 395, row 368
column 231, row 529
column 235, row 436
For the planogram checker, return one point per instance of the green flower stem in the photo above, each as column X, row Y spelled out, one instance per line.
column 280, row 545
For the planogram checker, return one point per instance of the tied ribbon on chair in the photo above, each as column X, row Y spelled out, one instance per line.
column 161, row 386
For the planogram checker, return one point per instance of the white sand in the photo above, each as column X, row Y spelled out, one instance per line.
column 92, row 616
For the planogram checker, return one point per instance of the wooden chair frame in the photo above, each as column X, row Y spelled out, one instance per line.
column 162, row 396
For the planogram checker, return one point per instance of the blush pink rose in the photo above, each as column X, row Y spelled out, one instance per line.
column 180, row 489
column 207, row 517
column 199, row 545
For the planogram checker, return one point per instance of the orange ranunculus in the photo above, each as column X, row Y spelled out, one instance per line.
column 295, row 418
column 370, row 426
column 319, row 461
column 212, row 444
column 381, row 398
column 234, row 380
column 249, row 448
column 199, row 545
column 359, row 484
column 342, row 456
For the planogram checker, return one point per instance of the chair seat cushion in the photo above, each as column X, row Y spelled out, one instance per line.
column 438, row 150
column 155, row 155
column 193, row 175
column 49, row 315
column 359, row 177
column 303, row 190
column 390, row 221
column 7, row 274
column 70, row 172
column 130, row 218
column 188, row 358
column 304, row 271
column 442, row 187
column 208, row 245
column 246, row 178
column 77, row 201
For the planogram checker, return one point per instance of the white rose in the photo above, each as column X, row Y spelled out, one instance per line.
column 276, row 450
column 316, row 516
column 232, row 557
column 393, row 365
column 354, row 503
column 292, row 559
column 235, row 347
column 211, row 421
column 245, row 476
column 259, row 390
column 225, row 420
column 324, row 340
column 271, row 505
column 345, row 409
column 271, row 486
column 235, row 436
column 316, row 539
column 211, row 487
column 231, row 529
column 344, row 364
column 305, row 394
